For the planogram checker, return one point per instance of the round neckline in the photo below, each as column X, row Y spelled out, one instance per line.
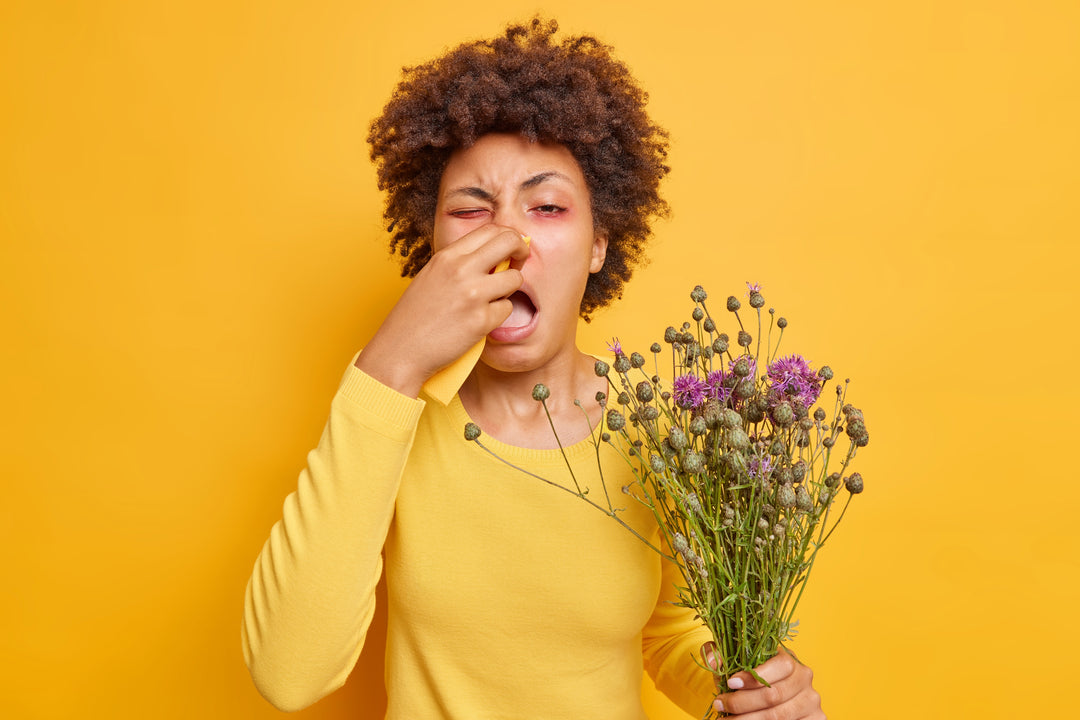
column 583, row 448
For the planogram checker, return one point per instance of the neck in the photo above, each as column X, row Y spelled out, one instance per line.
column 502, row 403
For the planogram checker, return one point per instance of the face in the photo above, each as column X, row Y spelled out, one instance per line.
column 538, row 190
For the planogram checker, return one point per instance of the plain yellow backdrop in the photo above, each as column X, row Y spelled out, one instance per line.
column 192, row 250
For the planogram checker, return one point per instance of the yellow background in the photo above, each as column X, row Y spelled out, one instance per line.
column 192, row 249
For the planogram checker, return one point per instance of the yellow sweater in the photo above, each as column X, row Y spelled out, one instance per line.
column 508, row 598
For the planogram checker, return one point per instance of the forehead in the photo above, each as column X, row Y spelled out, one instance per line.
column 498, row 160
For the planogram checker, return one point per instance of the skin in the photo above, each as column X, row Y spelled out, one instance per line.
column 490, row 196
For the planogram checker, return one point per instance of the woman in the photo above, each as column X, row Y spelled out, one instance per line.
column 506, row 598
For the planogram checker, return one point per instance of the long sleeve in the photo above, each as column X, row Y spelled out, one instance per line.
column 671, row 640
column 311, row 595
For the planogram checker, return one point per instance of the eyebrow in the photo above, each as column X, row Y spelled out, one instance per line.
column 482, row 194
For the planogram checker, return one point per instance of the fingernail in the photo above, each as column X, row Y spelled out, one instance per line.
column 735, row 683
column 718, row 705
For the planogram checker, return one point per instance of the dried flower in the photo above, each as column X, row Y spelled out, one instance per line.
column 733, row 303
column 698, row 294
column 615, row 346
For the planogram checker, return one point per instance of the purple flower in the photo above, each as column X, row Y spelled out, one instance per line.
column 689, row 391
column 753, row 287
column 615, row 346
column 759, row 467
column 714, row 387
column 792, row 378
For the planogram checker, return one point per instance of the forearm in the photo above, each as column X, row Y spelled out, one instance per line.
column 311, row 595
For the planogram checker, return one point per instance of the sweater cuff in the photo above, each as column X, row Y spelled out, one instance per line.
column 388, row 405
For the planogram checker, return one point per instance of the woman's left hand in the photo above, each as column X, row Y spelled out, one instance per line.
column 790, row 694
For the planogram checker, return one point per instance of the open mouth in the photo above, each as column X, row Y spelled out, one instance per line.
column 521, row 321
column 523, row 311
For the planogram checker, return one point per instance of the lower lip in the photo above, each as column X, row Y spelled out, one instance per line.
column 514, row 334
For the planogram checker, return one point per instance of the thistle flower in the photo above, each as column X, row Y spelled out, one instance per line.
column 689, row 391
column 540, row 392
column 601, row 368
column 698, row 294
column 636, row 360
column 756, row 299
column 615, row 346
column 733, row 303
column 792, row 376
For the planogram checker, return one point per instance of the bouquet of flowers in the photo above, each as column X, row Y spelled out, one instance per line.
column 740, row 465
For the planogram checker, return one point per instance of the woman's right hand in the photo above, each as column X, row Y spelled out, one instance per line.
column 453, row 302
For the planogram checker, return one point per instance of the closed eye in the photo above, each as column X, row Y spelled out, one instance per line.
column 467, row 213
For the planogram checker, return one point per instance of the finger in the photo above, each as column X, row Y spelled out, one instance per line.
column 771, row 671
column 507, row 248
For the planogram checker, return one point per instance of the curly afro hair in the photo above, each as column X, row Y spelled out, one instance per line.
column 574, row 93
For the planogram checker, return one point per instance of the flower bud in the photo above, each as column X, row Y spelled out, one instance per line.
column 741, row 367
column 720, row 345
column 472, row 431
column 697, row 426
column 606, row 437
column 657, row 464
column 693, row 462
column 615, row 420
column 745, row 339
column 540, row 392
column 698, row 314
column 798, row 471
column 670, row 335
column 649, row 412
column 783, row 415
column 738, row 439
column 698, row 294
column 601, row 368
column 636, row 360
column 832, row 480
column 709, row 326
column 744, row 390
column 677, row 439
column 694, row 504
column 825, row 373
column 784, row 475
column 733, row 303
column 679, row 544
column 854, row 483
column 644, row 391
column 786, row 496
column 624, row 398
column 781, row 323
column 601, row 398
column 655, row 348
column 819, row 415
column 756, row 300
column 803, row 501
column 621, row 364
column 730, row 419
column 829, row 441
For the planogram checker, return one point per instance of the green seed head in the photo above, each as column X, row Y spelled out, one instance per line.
column 644, row 391
column 615, row 420
column 636, row 360
column 540, row 392
column 472, row 431
column 854, row 483
column 601, row 368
